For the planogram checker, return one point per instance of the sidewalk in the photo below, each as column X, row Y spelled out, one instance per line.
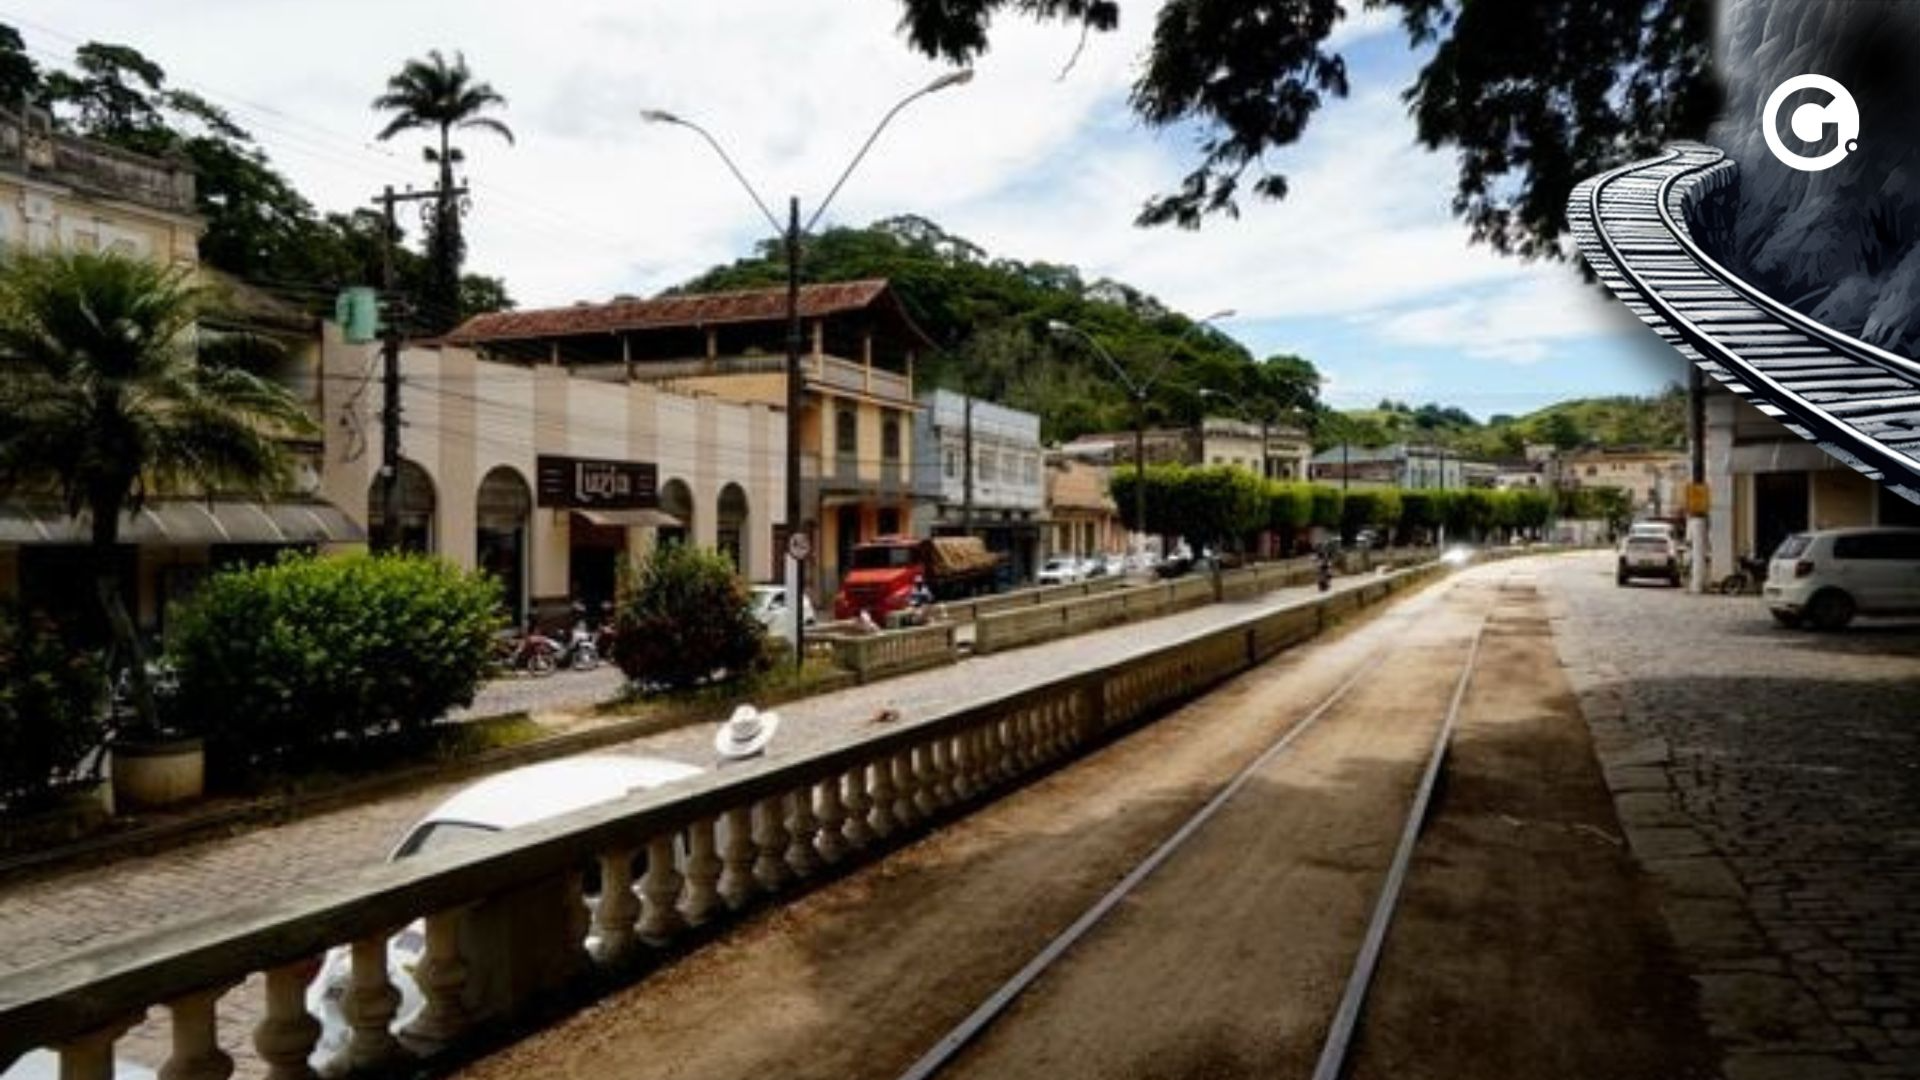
column 68, row 910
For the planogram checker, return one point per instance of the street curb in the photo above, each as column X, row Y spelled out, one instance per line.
column 282, row 809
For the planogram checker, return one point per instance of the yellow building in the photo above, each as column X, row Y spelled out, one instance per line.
column 856, row 422
column 1655, row 480
column 58, row 191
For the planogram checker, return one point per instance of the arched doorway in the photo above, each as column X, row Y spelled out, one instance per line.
column 676, row 500
column 501, row 513
column 731, row 519
column 417, row 504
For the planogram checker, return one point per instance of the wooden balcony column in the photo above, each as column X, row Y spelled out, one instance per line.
column 866, row 360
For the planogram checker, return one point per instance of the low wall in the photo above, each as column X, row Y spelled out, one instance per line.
column 895, row 652
column 506, row 925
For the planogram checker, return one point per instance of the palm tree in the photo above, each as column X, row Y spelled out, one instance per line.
column 109, row 392
column 433, row 94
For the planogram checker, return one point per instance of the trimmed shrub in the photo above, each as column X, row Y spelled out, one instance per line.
column 683, row 618
column 279, row 659
column 52, row 714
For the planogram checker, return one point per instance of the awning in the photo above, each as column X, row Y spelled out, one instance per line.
column 650, row 519
column 189, row 522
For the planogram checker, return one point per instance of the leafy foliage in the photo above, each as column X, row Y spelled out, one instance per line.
column 107, row 393
column 50, row 707
column 1532, row 95
column 683, row 616
column 278, row 660
column 259, row 227
column 1217, row 505
column 991, row 317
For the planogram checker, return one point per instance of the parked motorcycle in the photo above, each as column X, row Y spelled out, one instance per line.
column 527, row 650
column 581, row 652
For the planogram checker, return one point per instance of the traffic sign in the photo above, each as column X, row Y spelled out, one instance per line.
column 799, row 549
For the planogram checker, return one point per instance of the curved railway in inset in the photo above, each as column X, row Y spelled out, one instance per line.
column 1634, row 228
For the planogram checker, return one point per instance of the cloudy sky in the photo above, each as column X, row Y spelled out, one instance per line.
column 1360, row 269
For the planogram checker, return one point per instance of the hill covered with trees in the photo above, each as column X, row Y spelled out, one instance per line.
column 990, row 319
column 1658, row 421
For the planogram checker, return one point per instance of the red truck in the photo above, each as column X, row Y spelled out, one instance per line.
column 885, row 571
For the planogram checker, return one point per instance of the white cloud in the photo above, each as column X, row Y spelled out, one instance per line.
column 1520, row 323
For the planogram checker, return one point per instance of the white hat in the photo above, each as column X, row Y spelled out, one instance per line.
column 746, row 732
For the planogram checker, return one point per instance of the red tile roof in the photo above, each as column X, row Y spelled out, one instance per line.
column 667, row 312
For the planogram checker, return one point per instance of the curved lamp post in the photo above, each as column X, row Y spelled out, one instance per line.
column 791, row 233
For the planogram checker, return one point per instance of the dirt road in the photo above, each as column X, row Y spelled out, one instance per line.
column 1227, row 961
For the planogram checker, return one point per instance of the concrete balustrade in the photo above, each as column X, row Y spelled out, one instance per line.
column 509, row 923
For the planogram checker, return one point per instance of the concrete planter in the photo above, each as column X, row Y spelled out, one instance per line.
column 149, row 774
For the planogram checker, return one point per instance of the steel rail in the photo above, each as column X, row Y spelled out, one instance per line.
column 1785, row 372
column 950, row 1045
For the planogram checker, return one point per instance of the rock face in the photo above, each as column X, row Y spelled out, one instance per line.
column 1842, row 245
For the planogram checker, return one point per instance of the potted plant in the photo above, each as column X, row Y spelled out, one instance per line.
column 153, row 764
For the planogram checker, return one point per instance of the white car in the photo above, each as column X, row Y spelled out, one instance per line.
column 1648, row 554
column 769, row 604
column 1059, row 570
column 1824, row 579
column 504, row 801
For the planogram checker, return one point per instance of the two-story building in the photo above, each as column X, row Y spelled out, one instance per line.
column 1004, row 500
column 1082, row 516
column 1401, row 465
column 1215, row 440
column 1655, row 480
column 857, row 405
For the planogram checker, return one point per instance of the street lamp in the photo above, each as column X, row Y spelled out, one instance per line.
column 790, row 234
column 1138, row 392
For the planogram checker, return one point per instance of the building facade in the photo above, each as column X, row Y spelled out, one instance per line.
column 1009, row 495
column 856, row 417
column 545, row 476
column 1655, row 480
column 1215, row 440
column 1083, row 520
column 1401, row 465
column 1766, row 483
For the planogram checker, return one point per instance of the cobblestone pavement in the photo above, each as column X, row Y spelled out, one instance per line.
column 45, row 917
column 1770, row 781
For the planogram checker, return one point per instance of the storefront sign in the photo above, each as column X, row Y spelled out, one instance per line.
column 594, row 484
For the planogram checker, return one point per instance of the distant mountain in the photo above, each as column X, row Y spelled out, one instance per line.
column 1658, row 421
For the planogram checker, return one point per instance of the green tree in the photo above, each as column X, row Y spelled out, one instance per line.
column 19, row 75
column 1533, row 96
column 683, row 616
column 109, row 394
column 435, row 95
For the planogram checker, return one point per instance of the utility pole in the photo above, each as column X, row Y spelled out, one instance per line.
column 389, row 538
column 796, row 390
column 1697, row 475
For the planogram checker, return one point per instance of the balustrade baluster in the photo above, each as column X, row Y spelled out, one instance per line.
column 881, row 819
column 770, row 836
column 830, row 842
column 926, row 778
column 90, row 1057
column 963, row 760
column 1005, row 732
column 703, row 873
column 285, row 1035
column 613, row 917
column 801, row 827
column 369, row 1007
column 196, row 1053
column 442, row 978
column 857, row 831
column 905, row 787
column 659, row 892
column 736, row 874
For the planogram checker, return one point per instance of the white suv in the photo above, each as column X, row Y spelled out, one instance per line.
column 1826, row 578
column 1646, row 554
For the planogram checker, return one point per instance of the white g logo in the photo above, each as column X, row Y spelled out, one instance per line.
column 1810, row 121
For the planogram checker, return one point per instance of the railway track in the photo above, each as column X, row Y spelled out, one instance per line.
column 1860, row 403
column 1345, row 1018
